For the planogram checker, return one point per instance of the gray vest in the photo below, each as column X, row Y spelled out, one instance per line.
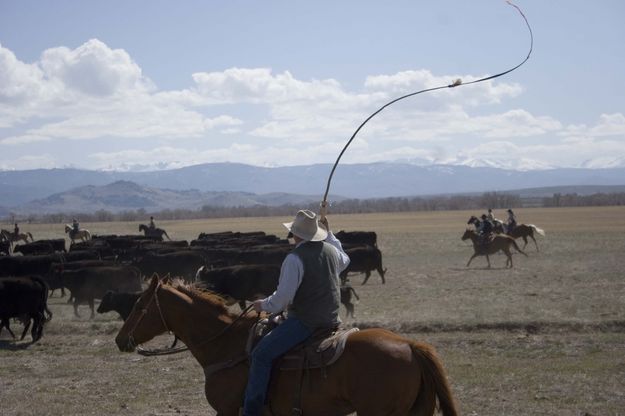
column 317, row 300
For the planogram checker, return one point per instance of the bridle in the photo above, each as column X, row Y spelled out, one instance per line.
column 143, row 312
column 167, row 351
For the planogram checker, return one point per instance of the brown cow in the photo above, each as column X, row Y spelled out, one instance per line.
column 92, row 283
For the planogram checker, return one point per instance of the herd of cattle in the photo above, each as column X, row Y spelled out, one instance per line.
column 240, row 266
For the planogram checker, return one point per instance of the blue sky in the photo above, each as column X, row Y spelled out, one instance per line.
column 161, row 84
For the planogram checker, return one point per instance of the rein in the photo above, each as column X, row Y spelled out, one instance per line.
column 168, row 351
column 458, row 82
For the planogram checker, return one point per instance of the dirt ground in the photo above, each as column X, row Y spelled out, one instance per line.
column 544, row 338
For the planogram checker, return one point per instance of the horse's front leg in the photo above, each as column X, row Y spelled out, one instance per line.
column 488, row 260
column 471, row 259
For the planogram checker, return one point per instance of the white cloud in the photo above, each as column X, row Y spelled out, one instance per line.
column 30, row 162
column 94, row 92
column 18, row 81
column 23, row 139
column 608, row 125
column 94, row 69
column 407, row 82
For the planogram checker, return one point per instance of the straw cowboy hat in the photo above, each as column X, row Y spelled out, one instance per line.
column 306, row 226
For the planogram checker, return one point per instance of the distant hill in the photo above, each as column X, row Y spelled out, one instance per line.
column 373, row 180
column 125, row 196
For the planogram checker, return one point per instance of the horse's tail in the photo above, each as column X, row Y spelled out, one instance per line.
column 88, row 234
column 538, row 230
column 434, row 384
column 30, row 235
column 517, row 247
column 166, row 235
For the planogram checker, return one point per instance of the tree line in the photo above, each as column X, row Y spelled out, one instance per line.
column 494, row 200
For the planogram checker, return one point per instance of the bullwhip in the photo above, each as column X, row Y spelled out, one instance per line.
column 457, row 83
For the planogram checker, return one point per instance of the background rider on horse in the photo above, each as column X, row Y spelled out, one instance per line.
column 75, row 226
column 485, row 230
column 511, row 221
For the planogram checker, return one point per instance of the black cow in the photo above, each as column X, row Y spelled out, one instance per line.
column 83, row 255
column 364, row 259
column 41, row 247
column 27, row 265
column 346, row 299
column 183, row 263
column 5, row 248
column 25, row 298
column 241, row 283
column 120, row 302
column 92, row 283
column 253, row 281
column 34, row 248
column 358, row 237
column 262, row 255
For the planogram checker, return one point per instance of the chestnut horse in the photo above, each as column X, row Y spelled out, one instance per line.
column 379, row 373
column 499, row 242
column 520, row 231
column 523, row 231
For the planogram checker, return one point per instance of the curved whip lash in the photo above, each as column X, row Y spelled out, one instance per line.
column 454, row 84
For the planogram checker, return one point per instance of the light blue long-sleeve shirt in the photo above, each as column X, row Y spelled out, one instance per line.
column 291, row 274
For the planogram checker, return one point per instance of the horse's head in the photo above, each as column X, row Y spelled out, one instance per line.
column 145, row 320
column 67, row 228
column 472, row 220
column 142, row 227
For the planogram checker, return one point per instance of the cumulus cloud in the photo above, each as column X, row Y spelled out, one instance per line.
column 407, row 82
column 608, row 125
column 19, row 82
column 93, row 92
column 93, row 69
column 258, row 116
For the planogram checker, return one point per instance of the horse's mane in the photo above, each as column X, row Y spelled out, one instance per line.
column 196, row 291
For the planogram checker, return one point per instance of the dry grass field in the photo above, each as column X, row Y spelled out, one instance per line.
column 544, row 338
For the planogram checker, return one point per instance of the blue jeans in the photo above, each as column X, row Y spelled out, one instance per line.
column 280, row 340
